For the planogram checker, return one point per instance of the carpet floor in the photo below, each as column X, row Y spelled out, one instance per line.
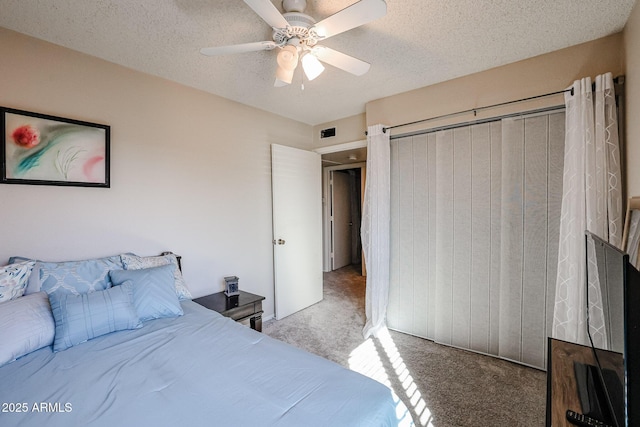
column 442, row 386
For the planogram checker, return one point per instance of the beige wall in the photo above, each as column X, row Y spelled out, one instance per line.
column 542, row 74
column 190, row 172
column 632, row 90
column 348, row 129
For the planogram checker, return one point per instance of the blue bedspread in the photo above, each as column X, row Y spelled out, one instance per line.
column 200, row 369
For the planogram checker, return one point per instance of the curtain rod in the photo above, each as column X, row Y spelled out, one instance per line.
column 530, row 113
column 616, row 80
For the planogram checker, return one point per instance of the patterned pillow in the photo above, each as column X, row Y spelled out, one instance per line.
column 78, row 277
column 33, row 284
column 13, row 279
column 154, row 293
column 134, row 262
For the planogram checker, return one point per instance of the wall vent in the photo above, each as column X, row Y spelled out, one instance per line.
column 328, row 133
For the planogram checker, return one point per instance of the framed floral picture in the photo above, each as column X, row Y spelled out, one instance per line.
column 48, row 150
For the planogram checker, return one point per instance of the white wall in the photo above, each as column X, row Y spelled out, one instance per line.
column 190, row 172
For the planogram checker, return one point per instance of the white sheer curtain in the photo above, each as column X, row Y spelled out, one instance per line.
column 592, row 198
column 375, row 229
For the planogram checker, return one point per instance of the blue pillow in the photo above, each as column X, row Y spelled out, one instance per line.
column 26, row 325
column 80, row 318
column 77, row 277
column 154, row 292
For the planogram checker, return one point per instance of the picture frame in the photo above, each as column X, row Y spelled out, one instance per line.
column 40, row 149
column 231, row 286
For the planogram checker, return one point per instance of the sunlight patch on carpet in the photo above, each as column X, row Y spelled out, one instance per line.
column 366, row 360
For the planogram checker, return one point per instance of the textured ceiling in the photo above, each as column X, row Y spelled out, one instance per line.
column 418, row 43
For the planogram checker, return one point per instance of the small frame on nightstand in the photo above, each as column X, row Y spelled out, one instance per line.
column 231, row 286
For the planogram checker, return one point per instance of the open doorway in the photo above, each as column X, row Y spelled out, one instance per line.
column 345, row 200
column 344, row 171
column 343, row 188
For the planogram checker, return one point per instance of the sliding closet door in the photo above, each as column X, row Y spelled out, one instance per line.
column 474, row 229
column 531, row 202
column 532, row 195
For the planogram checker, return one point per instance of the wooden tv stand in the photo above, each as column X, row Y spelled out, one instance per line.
column 562, row 393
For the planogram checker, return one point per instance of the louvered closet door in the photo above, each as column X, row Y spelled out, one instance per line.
column 474, row 235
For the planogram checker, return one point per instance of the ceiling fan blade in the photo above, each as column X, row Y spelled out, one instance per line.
column 340, row 60
column 267, row 11
column 238, row 48
column 357, row 14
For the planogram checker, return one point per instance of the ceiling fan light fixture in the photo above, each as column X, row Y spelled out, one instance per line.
column 294, row 5
column 283, row 76
column 296, row 34
column 311, row 66
column 288, row 58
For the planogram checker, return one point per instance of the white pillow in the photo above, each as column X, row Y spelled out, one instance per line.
column 26, row 324
column 13, row 279
column 134, row 262
column 33, row 284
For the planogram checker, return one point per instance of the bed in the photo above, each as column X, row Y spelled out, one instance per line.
column 194, row 369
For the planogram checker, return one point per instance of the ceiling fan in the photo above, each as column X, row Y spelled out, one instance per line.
column 296, row 35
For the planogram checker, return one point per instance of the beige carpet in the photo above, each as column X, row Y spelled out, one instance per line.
column 441, row 386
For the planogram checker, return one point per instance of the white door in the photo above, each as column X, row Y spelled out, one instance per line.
column 341, row 219
column 296, row 177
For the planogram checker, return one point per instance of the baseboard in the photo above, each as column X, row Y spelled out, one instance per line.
column 495, row 356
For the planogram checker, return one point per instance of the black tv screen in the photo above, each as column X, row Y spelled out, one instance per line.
column 613, row 324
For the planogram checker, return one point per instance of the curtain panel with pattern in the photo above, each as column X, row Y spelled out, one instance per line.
column 591, row 200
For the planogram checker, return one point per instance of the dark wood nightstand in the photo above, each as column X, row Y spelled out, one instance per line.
column 245, row 308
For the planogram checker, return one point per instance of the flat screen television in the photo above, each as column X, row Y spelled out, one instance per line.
column 612, row 325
